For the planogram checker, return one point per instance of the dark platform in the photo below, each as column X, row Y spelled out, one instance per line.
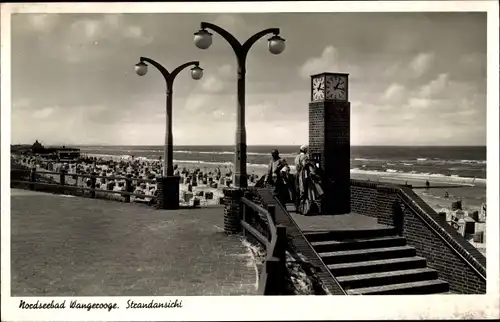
column 351, row 221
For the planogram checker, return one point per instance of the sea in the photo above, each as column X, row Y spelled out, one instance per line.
column 453, row 163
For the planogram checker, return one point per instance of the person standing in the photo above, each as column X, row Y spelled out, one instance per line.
column 300, row 161
column 176, row 171
column 308, row 182
column 276, row 176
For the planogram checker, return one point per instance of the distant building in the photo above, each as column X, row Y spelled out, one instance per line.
column 63, row 154
column 37, row 147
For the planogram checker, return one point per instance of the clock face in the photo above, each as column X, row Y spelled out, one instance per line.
column 318, row 88
column 336, row 87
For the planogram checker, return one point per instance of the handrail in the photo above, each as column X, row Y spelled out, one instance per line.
column 270, row 245
column 255, row 233
column 270, row 223
column 86, row 175
column 309, row 244
column 417, row 209
column 85, row 188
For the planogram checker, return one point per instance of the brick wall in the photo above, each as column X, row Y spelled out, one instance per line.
column 446, row 251
column 363, row 197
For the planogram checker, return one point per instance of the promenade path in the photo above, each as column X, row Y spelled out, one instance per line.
column 72, row 246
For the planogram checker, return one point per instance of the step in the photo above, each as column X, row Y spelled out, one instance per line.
column 420, row 287
column 348, row 234
column 334, row 245
column 373, row 266
column 290, row 207
column 384, row 278
column 360, row 255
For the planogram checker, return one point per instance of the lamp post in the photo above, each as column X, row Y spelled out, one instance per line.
column 276, row 45
column 170, row 200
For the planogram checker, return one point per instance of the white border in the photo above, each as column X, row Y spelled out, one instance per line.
column 270, row 308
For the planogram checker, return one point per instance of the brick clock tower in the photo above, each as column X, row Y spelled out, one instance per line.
column 329, row 138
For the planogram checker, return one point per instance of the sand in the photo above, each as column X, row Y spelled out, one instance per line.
column 472, row 196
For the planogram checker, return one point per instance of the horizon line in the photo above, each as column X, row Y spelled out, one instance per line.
column 270, row 145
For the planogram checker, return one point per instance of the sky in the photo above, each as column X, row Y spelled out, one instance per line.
column 414, row 78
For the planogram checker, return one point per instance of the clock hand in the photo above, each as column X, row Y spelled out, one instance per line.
column 339, row 83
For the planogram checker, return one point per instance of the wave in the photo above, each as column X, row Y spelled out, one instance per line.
column 220, row 152
column 412, row 175
column 388, row 161
column 473, row 161
column 127, row 157
column 369, row 160
column 422, row 176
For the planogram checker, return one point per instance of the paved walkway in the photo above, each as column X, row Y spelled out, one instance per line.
column 72, row 246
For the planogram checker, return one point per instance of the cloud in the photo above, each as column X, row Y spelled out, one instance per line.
column 73, row 78
column 419, row 103
column 230, row 22
column 43, row 22
column 92, row 38
column 473, row 66
column 43, row 113
column 21, row 103
column 204, row 104
column 421, row 63
column 86, row 30
column 328, row 61
column 436, row 87
column 218, row 81
column 395, row 93
column 212, row 84
column 258, row 111
column 226, row 71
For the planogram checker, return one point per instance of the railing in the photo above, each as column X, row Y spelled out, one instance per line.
column 61, row 186
column 464, row 250
column 260, row 224
column 299, row 243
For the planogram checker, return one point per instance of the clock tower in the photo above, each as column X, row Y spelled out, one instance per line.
column 329, row 139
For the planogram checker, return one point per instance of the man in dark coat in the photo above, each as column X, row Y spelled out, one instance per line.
column 277, row 176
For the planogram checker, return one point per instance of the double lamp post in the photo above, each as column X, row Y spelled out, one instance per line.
column 168, row 185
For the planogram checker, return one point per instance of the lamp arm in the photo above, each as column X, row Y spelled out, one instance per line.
column 158, row 66
column 181, row 67
column 235, row 44
column 249, row 43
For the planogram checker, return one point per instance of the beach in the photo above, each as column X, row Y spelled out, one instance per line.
column 470, row 190
column 441, row 177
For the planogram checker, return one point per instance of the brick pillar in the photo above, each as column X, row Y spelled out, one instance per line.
column 232, row 210
column 329, row 144
column 168, row 192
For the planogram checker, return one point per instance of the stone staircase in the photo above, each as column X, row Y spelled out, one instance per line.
column 375, row 262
